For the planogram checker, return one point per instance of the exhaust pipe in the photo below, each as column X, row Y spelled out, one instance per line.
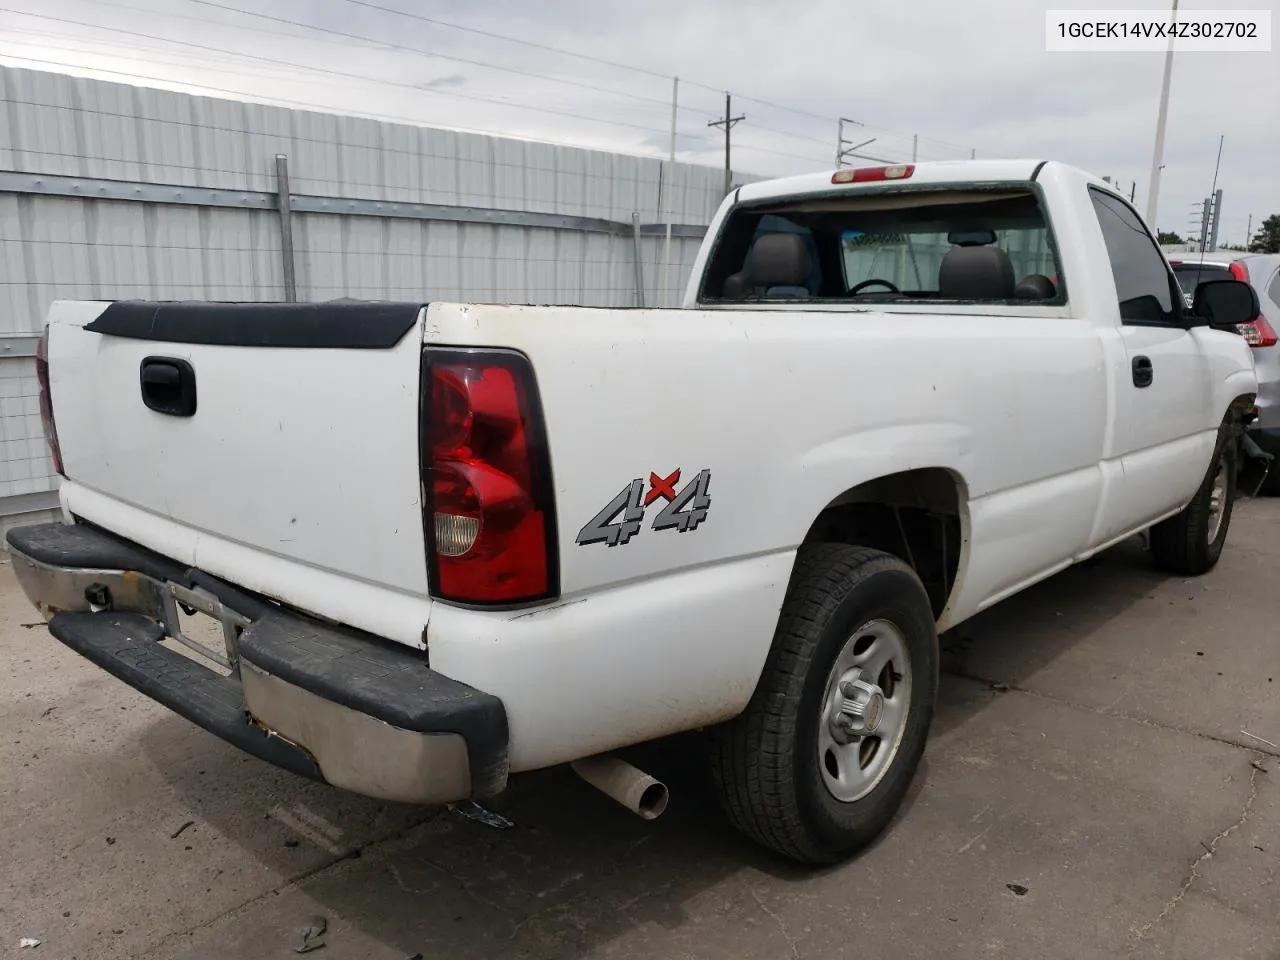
column 634, row 789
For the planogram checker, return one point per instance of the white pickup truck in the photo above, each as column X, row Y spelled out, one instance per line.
column 450, row 542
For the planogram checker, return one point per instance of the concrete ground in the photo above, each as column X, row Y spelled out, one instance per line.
column 1087, row 792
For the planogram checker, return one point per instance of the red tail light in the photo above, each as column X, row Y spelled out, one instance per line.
column 1258, row 332
column 46, row 401
column 489, row 511
column 1239, row 272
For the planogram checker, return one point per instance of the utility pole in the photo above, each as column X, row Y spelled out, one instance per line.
column 1217, row 218
column 1214, row 192
column 728, row 122
column 1248, row 233
column 1157, row 155
column 843, row 147
column 666, row 211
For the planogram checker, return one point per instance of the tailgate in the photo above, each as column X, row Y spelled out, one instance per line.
column 299, row 437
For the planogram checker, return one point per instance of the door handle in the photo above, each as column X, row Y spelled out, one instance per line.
column 168, row 386
column 1143, row 372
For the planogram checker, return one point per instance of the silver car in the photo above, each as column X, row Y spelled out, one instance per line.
column 1262, row 272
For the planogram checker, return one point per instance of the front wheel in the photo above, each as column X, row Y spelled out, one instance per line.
column 819, row 762
column 1191, row 542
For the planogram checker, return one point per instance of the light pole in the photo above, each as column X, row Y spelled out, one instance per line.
column 1157, row 157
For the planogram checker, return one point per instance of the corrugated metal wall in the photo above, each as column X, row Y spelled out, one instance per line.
column 170, row 243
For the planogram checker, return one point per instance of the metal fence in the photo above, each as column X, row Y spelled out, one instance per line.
column 112, row 192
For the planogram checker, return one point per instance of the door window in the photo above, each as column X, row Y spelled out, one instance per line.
column 1144, row 285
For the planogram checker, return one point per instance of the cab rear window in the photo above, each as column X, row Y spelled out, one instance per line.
column 939, row 244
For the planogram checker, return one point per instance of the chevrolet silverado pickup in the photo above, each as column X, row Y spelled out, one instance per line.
column 444, row 543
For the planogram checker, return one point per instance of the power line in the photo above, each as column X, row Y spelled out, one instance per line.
column 522, row 42
column 255, row 96
column 217, row 23
column 87, row 45
column 785, row 133
column 561, row 52
column 418, row 51
column 369, row 4
column 346, row 75
column 485, row 64
column 572, row 53
column 293, row 65
column 93, row 46
column 436, row 21
column 780, row 153
column 252, row 96
column 795, row 110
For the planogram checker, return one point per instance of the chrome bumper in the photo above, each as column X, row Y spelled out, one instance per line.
column 329, row 703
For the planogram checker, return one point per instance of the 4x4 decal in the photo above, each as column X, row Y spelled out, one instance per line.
column 622, row 517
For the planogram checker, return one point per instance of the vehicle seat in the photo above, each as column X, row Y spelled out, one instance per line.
column 778, row 265
column 1035, row 286
column 976, row 273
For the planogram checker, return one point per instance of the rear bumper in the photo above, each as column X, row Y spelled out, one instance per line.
column 323, row 701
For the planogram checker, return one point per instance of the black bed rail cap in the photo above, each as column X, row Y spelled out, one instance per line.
column 335, row 324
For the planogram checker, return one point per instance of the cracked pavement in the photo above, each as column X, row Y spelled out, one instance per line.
column 1087, row 792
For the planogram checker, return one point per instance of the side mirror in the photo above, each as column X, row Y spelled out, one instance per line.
column 1225, row 303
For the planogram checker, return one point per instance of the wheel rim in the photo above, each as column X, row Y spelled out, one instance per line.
column 1217, row 501
column 864, row 710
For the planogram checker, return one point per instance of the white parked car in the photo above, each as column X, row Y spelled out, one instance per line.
column 450, row 542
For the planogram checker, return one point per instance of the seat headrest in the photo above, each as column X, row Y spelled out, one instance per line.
column 1036, row 286
column 779, row 260
column 735, row 287
column 976, row 273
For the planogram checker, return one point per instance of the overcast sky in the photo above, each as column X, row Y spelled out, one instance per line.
column 964, row 76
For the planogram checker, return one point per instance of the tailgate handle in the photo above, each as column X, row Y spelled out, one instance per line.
column 168, row 386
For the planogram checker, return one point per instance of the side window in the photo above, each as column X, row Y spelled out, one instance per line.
column 1143, row 281
column 1273, row 290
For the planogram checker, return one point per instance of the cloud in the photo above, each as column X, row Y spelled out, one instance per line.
column 961, row 76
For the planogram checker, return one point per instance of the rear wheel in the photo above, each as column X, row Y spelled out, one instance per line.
column 819, row 762
column 1191, row 542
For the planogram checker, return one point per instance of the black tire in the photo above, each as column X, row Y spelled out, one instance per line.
column 766, row 762
column 1181, row 544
